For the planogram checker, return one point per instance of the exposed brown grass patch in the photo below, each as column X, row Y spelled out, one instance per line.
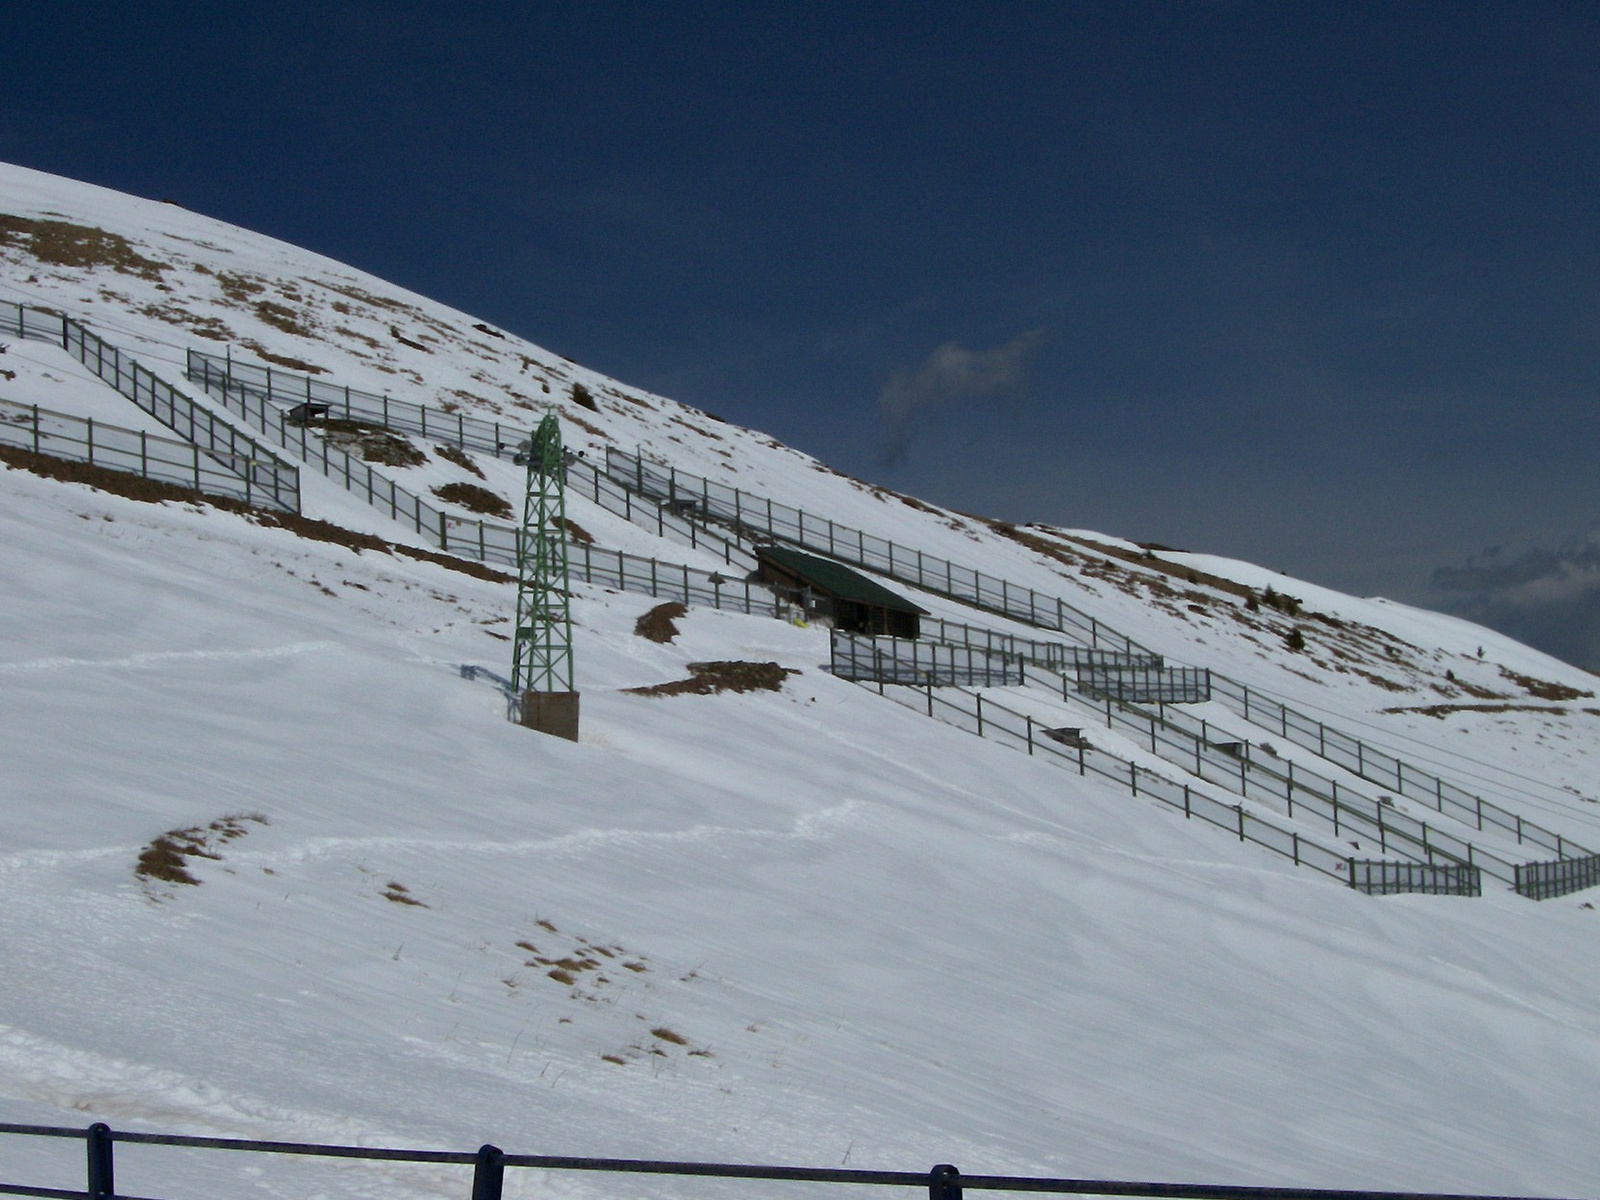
column 1440, row 711
column 63, row 244
column 207, row 326
column 1542, row 689
column 282, row 360
column 668, row 1035
column 398, row 893
column 166, row 857
column 659, row 624
column 454, row 454
column 708, row 678
column 281, row 316
column 474, row 499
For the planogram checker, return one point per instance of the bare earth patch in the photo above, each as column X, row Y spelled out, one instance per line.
column 708, row 678
column 658, row 625
column 165, row 859
column 474, row 499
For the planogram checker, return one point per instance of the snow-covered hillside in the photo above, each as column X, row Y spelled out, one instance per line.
column 808, row 925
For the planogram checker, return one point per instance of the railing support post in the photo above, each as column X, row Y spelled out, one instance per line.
column 102, row 1179
column 944, row 1183
column 488, row 1173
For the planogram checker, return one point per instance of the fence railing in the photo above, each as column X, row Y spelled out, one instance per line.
column 1190, row 743
column 484, row 540
column 989, row 718
column 1058, row 656
column 1386, row 770
column 1187, row 742
column 859, row 657
column 287, row 389
column 1546, row 880
column 1393, row 878
column 749, row 514
column 489, row 1164
column 271, row 480
column 680, row 503
column 744, row 510
column 132, row 451
column 1147, row 685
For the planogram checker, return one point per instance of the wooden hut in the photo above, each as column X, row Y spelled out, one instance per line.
column 850, row 600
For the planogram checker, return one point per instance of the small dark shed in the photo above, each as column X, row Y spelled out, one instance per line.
column 854, row 603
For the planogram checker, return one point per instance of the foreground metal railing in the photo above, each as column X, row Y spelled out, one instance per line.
column 489, row 1164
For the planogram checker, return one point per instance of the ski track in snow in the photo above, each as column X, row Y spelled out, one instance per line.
column 136, row 662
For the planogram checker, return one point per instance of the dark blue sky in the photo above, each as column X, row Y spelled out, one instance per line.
column 1317, row 285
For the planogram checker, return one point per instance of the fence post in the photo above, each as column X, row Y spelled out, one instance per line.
column 944, row 1183
column 1030, row 735
column 488, row 1173
column 102, row 1181
column 980, row 715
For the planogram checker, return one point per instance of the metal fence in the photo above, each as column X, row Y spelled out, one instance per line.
column 485, row 540
column 489, row 1164
column 1546, row 880
column 1393, row 878
column 272, row 480
column 1057, row 656
column 134, row 452
column 287, row 390
column 1387, row 770
column 1177, row 737
column 859, row 657
column 1147, row 685
column 744, row 511
column 989, row 718
column 1190, row 743
column 677, row 504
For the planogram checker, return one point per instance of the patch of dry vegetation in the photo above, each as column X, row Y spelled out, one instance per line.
column 474, row 499
column 166, row 858
column 659, row 624
column 709, row 678
column 63, row 244
column 398, row 893
column 453, row 454
column 1542, row 689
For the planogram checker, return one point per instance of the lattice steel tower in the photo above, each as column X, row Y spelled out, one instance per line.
column 541, row 665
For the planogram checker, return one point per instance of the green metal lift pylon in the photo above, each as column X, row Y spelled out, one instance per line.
column 542, row 647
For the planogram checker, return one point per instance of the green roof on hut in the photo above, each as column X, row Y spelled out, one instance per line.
column 836, row 579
